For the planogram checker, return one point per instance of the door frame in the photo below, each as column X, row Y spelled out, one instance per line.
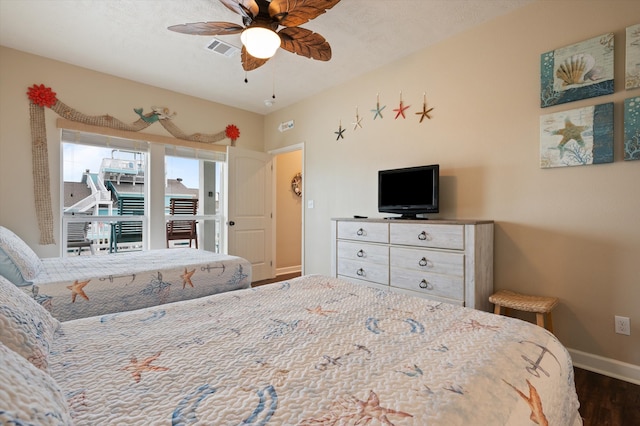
column 273, row 153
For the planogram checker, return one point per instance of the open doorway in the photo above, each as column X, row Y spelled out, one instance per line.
column 289, row 218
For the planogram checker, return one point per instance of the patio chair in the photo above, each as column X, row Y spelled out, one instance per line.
column 77, row 236
column 182, row 229
column 127, row 231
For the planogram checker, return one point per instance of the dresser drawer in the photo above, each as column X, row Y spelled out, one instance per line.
column 363, row 252
column 425, row 235
column 364, row 231
column 427, row 283
column 438, row 262
column 373, row 272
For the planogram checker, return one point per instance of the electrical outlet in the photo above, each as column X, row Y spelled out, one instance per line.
column 622, row 325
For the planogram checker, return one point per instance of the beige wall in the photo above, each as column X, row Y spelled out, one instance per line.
column 288, row 213
column 91, row 93
column 571, row 232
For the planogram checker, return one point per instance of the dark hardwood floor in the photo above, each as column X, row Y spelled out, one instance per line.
column 604, row 401
column 276, row 279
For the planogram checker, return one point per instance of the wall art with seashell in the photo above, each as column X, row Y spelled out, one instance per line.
column 578, row 71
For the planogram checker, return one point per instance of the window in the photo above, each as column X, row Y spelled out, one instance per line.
column 193, row 174
column 105, row 178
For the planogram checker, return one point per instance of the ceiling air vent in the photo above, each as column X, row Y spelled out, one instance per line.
column 222, row 48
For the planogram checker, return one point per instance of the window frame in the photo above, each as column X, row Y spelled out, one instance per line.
column 156, row 151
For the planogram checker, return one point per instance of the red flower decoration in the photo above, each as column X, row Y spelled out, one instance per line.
column 232, row 132
column 41, row 95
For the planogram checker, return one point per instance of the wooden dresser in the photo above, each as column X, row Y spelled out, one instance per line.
column 445, row 260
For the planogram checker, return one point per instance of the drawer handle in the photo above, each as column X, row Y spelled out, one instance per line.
column 360, row 232
column 424, row 236
column 360, row 253
column 426, row 285
column 360, row 272
column 423, row 262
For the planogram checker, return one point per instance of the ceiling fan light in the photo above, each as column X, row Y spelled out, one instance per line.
column 260, row 42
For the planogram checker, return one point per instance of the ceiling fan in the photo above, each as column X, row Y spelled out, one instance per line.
column 259, row 35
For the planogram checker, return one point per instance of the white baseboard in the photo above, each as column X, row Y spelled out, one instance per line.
column 289, row 270
column 607, row 366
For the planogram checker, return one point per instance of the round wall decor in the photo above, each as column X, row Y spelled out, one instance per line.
column 296, row 184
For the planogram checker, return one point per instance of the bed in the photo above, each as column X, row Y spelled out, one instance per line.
column 310, row 351
column 83, row 286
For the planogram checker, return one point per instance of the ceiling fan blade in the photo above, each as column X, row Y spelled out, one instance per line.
column 245, row 8
column 305, row 43
column 207, row 28
column 249, row 63
column 291, row 13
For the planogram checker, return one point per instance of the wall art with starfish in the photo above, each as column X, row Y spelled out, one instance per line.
column 577, row 137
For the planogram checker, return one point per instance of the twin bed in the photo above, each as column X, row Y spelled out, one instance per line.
column 311, row 351
column 82, row 286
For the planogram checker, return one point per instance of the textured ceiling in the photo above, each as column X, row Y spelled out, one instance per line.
column 129, row 39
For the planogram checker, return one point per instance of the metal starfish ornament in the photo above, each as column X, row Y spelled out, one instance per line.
column 401, row 109
column 425, row 112
column 357, row 123
column 340, row 131
column 378, row 111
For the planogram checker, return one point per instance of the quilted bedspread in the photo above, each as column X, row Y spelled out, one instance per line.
column 82, row 286
column 312, row 351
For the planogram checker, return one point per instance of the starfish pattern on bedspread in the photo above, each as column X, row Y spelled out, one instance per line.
column 534, row 402
column 186, row 277
column 356, row 411
column 77, row 288
column 318, row 310
column 137, row 368
column 474, row 325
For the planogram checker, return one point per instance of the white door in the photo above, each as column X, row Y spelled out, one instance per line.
column 248, row 214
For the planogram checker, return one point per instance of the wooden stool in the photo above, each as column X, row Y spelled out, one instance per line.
column 542, row 306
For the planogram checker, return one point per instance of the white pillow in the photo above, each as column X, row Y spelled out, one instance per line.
column 29, row 396
column 10, row 271
column 25, row 259
column 25, row 327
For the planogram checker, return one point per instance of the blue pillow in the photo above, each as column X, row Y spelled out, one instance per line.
column 10, row 271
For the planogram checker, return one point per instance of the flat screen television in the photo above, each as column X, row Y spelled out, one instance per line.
column 409, row 191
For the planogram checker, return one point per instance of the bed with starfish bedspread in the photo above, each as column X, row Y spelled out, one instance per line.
column 312, row 351
column 81, row 286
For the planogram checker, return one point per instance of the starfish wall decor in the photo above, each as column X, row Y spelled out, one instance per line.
column 357, row 123
column 340, row 132
column 425, row 112
column 378, row 111
column 401, row 108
